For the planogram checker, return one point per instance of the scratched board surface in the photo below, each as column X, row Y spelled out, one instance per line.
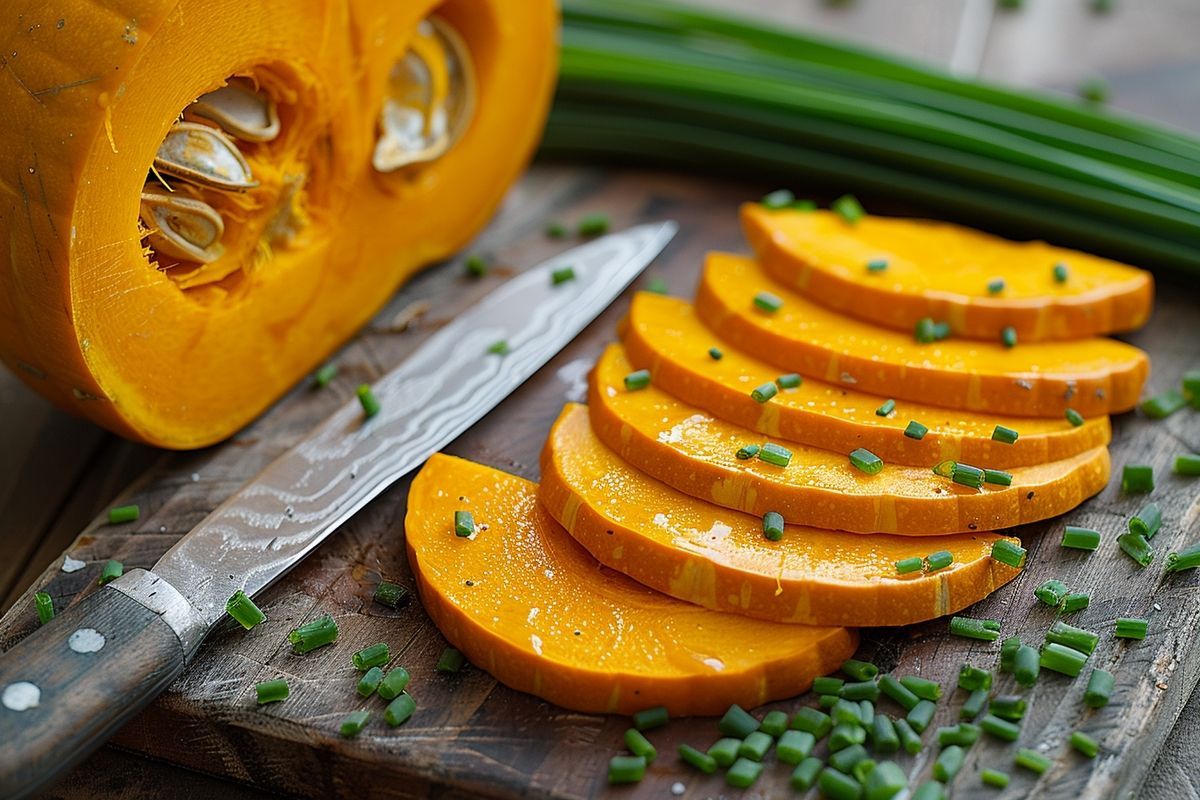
column 472, row 737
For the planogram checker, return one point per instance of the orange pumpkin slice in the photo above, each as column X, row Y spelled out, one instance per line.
column 1093, row 377
column 720, row 559
column 940, row 270
column 663, row 335
column 697, row 454
column 522, row 600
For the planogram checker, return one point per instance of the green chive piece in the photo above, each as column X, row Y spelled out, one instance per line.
column 657, row 286
column 737, row 722
column 1008, row 337
column 724, row 751
column 1137, row 478
column 794, row 746
column 650, row 718
column 562, row 275
column 1136, row 547
column 45, row 607
column 1147, row 521
column 1187, row 464
column 243, row 609
column 1000, row 728
column 476, row 266
column 1094, row 90
column 994, row 777
column 789, row 381
column 972, row 707
column 887, row 408
column 846, row 712
column 859, row 670
column 499, row 348
column 743, row 773
column 805, row 774
column 325, row 375
column 925, row 330
column 910, row 740
column 1032, row 760
column 399, row 710
column 112, row 570
column 838, row 786
column 998, row 477
column 1060, row 273
column 1008, row 553
column 639, row 745
column 911, row 564
column 353, row 724
column 593, row 225
column 765, row 392
column 450, row 661
column 1188, row 558
column 1008, row 706
column 890, row 686
column 915, row 430
column 1008, row 652
column 939, row 560
column 861, row 690
column 885, row 781
column 765, row 301
column 698, row 759
column 775, row 454
column 464, row 523
column 884, row 738
column 922, row 687
column 1062, row 659
column 1051, row 592
column 1076, row 638
column 1191, row 387
column 747, row 451
column 803, row 205
column 941, row 330
column 755, row 746
column 368, row 684
column 1074, row 417
column 311, row 635
column 972, row 678
column 948, row 763
column 845, row 757
column 1080, row 538
column 366, row 398
column 271, row 691
column 1076, row 601
column 1005, row 435
column 1099, row 688
column 827, row 685
column 389, row 594
column 921, row 715
column 774, row 723
column 973, row 629
column 1085, row 744
column 372, row 656
column 715, row 353
column 626, row 769
column 964, row 734
column 866, row 711
column 1027, row 665
column 810, row 720
column 930, row 790
column 877, row 265
column 637, row 380
column 123, row 514
column 995, row 286
column 555, row 230
column 966, row 475
column 848, row 208
column 1163, row 405
column 866, row 461
column 780, row 198
column 862, row 770
column 1129, row 628
column 395, row 682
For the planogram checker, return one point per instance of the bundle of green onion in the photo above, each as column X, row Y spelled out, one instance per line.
column 661, row 84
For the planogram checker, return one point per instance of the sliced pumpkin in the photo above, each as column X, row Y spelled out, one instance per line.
column 662, row 334
column 700, row 552
column 697, row 454
column 1093, row 376
column 522, row 600
column 933, row 269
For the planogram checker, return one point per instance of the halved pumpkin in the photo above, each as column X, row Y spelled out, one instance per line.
column 526, row 603
column 663, row 335
column 1093, row 376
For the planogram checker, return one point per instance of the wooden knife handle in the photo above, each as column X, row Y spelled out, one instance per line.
column 68, row 686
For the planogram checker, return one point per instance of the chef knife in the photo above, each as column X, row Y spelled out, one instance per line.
column 68, row 686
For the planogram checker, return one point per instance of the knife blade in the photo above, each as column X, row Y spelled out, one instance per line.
column 65, row 688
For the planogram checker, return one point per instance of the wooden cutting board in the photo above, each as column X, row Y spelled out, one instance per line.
column 472, row 737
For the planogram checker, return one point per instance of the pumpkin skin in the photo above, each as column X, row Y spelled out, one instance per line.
column 86, row 318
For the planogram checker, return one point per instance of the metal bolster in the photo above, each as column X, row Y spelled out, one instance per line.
column 153, row 592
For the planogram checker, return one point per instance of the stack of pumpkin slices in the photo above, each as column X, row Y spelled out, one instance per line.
column 752, row 470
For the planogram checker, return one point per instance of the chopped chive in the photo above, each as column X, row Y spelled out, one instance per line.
column 964, row 734
column 939, row 560
column 925, row 330
column 810, row 720
column 846, row 747
column 1027, row 665
column 464, row 523
column 994, row 778
column 562, row 275
column 637, row 380
column 1076, row 601
column 353, row 724
column 325, row 375
column 866, row 461
column 861, row 690
column 848, row 208
column 972, row 678
column 1060, row 273
column 243, row 609
column 789, row 381
column 1008, row 652
column 395, row 682
column 836, row 785
column 1008, row 706
column 775, row 454
column 911, row 564
column 657, row 286
column 887, row 408
column 887, row 779
column 948, row 763
column 1136, row 547
column 765, row 392
column 877, row 265
column 972, row 707
column 1188, row 558
column 311, row 635
column 1099, row 688
column 1187, row 464
column 1147, row 521
column 1000, row 728
column 910, row 740
column 1062, row 659
column 774, row 723
column 626, row 769
column 998, row 477
column 1074, row 417
column 1076, row 638
column 866, row 711
column 755, row 746
column 1005, row 435
column 921, row 715
column 915, row 430
column 941, row 330
column 121, row 514
column 476, row 266
column 399, row 710
column 805, row 774
column 45, row 607
column 884, row 738
column 966, row 475
column 555, row 230
column 859, row 670
column 827, row 685
column 389, row 594
column 747, row 451
column 827, row 701
column 650, row 718
column 1032, row 760
column 372, row 656
column 1085, row 744
column 271, row 691
column 1137, row 478
column 715, row 353
column 780, row 198
column 1051, row 592
column 450, row 661
column 499, row 348
column 803, row 205
column 922, row 687
column 370, row 405
column 368, row 684
column 737, row 722
column 846, row 712
column 973, row 629
column 1191, row 387
column 112, row 570
column 743, row 773
column 901, row 694
column 1080, row 538
column 1004, row 551
column 593, row 225
column 1129, row 628
column 995, row 286
column 1163, row 405
column 1008, row 337
column 765, row 301
column 724, row 751
column 639, row 745
column 698, row 759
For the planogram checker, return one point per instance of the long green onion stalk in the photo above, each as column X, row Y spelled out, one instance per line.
column 661, row 84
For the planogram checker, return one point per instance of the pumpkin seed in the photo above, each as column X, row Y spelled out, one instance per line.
column 181, row 226
column 204, row 156
column 240, row 111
